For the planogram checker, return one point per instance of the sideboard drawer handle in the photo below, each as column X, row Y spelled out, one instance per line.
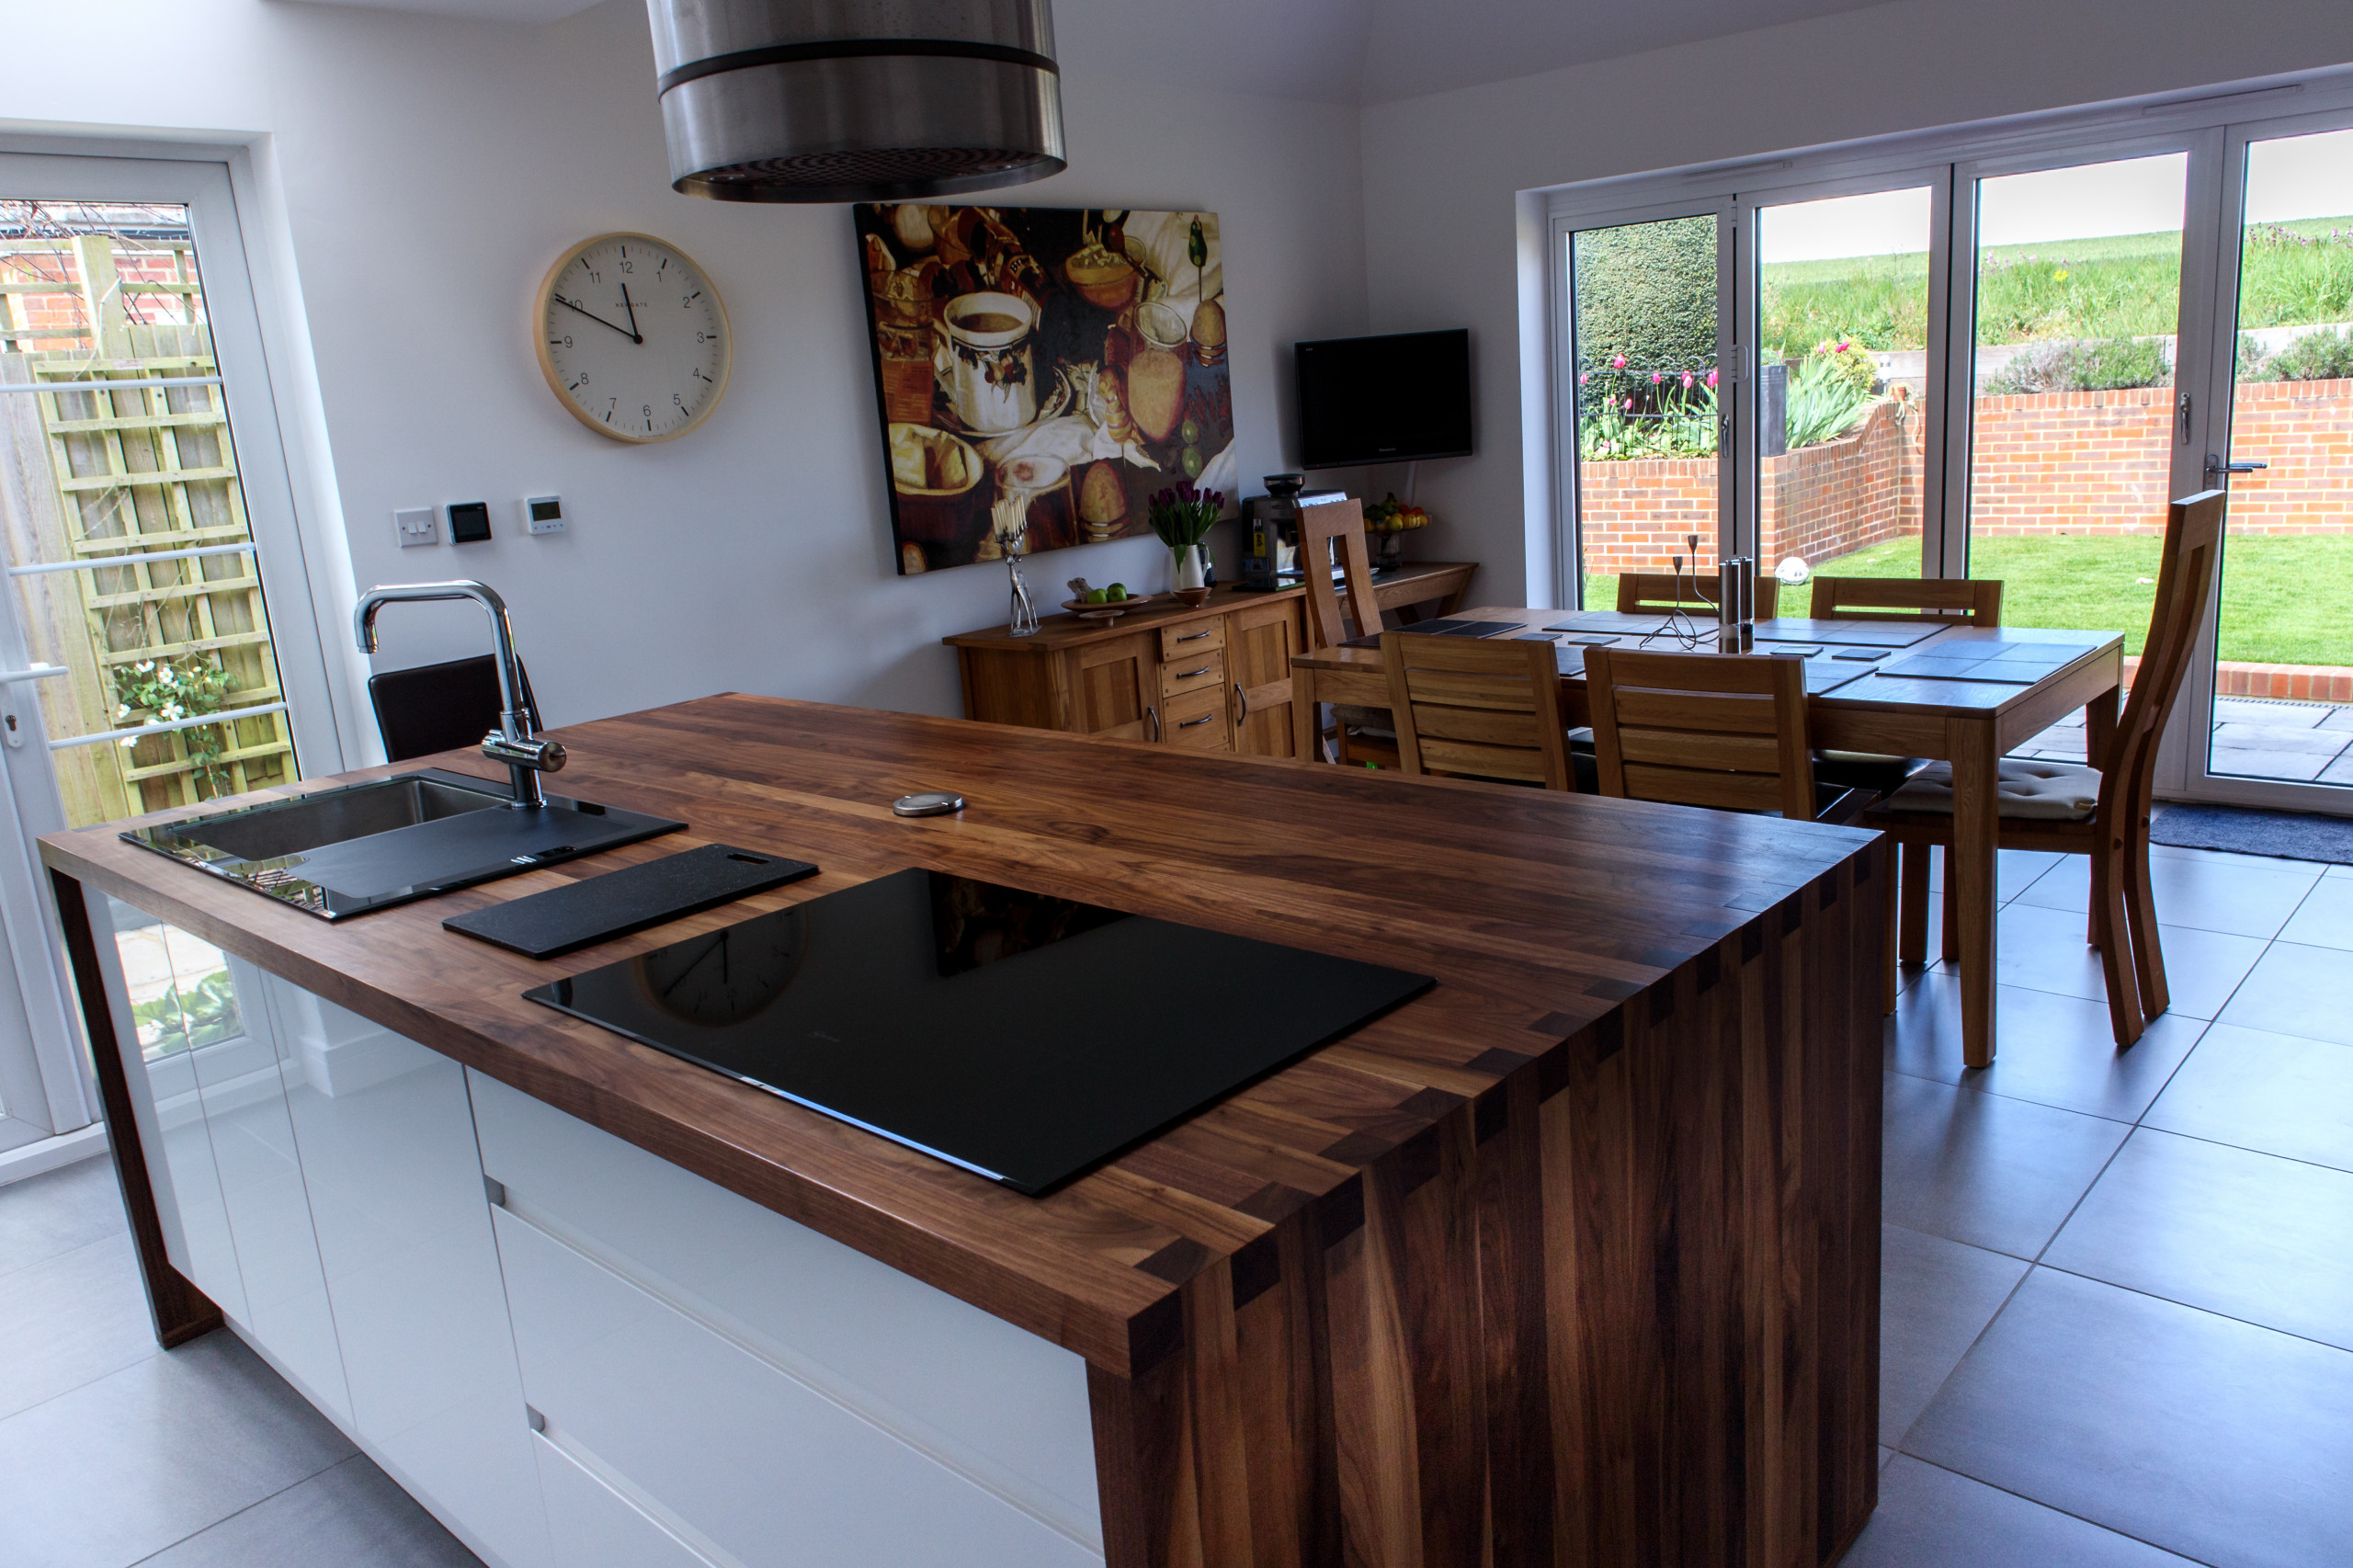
column 1188, row 675
column 1193, row 636
column 1202, row 719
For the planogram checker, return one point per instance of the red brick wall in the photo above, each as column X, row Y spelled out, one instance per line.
column 2053, row 462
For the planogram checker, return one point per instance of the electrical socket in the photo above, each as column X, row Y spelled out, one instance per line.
column 415, row 525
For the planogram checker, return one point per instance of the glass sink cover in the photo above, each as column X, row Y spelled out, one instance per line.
column 337, row 853
column 1023, row 1036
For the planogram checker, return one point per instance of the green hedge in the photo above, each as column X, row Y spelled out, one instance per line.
column 1648, row 292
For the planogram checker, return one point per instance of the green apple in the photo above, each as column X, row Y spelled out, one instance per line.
column 1119, row 591
column 1097, row 596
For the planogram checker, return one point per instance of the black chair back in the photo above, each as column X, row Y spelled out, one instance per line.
column 446, row 707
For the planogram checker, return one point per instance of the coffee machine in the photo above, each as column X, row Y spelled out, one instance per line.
column 1270, row 543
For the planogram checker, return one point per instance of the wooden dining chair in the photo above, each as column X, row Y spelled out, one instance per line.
column 1660, row 593
column 1964, row 600
column 1722, row 729
column 2100, row 811
column 1972, row 601
column 1335, row 528
column 1478, row 709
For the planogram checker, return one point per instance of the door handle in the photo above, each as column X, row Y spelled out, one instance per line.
column 2215, row 466
column 1189, row 723
column 12, row 728
column 1154, row 714
column 1243, row 698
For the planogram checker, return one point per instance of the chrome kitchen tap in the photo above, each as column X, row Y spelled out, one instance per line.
column 512, row 742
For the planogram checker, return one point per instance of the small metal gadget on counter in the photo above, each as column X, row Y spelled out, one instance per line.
column 928, row 803
column 1270, row 537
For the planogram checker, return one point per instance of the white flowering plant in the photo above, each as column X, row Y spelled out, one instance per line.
column 168, row 690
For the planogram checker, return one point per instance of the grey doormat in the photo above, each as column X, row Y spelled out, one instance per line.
column 2286, row 836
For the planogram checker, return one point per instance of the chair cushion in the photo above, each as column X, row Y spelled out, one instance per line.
column 2057, row 791
column 1865, row 770
column 1357, row 721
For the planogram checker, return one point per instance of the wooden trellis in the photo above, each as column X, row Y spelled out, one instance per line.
column 130, row 474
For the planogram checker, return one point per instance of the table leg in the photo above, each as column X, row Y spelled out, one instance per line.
column 1306, row 717
column 1970, row 866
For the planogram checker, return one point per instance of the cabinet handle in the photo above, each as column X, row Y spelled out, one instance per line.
column 1154, row 714
column 1243, row 698
column 1193, row 636
column 1189, row 723
column 1190, row 673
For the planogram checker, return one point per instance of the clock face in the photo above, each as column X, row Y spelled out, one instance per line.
column 632, row 338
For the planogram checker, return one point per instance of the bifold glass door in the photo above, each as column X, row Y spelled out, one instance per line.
column 157, row 647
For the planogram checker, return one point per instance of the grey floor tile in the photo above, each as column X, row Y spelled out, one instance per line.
column 2206, row 895
column 2056, row 1050
column 2290, row 736
column 350, row 1517
column 2325, row 919
column 1992, row 1172
column 2337, row 719
column 2044, row 950
column 58, row 1211
column 121, row 1468
column 2249, row 1235
column 2015, row 870
column 2247, row 762
column 2211, row 1438
column 2297, row 989
column 1929, row 1518
column 2338, row 772
column 2279, row 1093
column 1936, row 1297
column 71, row 1320
column 2229, row 710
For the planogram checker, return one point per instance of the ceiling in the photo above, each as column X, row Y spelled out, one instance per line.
column 1336, row 51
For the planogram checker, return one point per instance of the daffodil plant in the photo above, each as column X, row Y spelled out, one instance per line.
column 168, row 690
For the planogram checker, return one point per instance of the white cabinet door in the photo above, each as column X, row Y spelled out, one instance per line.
column 170, row 1114
column 758, row 1464
column 595, row 1526
column 261, row 1182
column 388, row 1146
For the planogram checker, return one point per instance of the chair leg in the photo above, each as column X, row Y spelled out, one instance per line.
column 1891, row 905
column 2141, row 915
column 2118, row 949
column 1912, row 927
column 1952, row 917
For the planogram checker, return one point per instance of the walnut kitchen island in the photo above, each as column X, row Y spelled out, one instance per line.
column 1571, row 1259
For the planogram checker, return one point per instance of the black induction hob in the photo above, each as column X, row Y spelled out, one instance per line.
column 1022, row 1037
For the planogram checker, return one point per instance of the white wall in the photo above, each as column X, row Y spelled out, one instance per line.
column 1451, row 240
column 431, row 169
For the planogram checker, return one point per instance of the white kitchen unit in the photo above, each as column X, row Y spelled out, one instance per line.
column 578, row 1354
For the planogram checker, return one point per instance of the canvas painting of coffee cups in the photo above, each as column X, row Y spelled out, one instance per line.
column 1041, row 371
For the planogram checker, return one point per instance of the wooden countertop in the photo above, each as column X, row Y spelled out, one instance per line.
column 1539, row 913
column 1410, row 584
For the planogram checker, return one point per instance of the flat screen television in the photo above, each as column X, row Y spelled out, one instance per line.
column 1380, row 400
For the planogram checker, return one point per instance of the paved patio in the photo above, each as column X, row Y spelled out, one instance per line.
column 2254, row 737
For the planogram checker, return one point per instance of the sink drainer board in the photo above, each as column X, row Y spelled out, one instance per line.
column 335, row 853
column 596, row 909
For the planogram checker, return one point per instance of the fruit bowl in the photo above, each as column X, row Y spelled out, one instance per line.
column 1109, row 609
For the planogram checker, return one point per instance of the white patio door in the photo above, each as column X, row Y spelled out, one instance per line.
column 158, row 646
column 2260, row 721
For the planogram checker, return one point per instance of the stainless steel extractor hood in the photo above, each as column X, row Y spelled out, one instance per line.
column 857, row 100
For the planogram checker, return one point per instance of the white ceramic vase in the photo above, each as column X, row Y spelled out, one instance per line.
column 1187, row 568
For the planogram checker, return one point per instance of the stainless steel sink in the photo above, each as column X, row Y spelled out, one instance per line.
column 342, row 852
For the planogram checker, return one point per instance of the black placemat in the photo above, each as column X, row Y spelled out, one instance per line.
column 599, row 908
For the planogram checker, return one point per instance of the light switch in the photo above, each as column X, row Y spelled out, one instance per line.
column 415, row 525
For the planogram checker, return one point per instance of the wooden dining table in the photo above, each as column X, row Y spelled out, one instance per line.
column 1959, row 694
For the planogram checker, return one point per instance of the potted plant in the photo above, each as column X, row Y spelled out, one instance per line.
column 1181, row 516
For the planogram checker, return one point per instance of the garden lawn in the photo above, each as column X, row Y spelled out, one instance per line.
column 2285, row 601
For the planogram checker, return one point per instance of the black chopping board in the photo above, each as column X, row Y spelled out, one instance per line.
column 597, row 909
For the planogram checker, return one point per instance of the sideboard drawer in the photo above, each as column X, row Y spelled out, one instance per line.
column 1192, row 672
column 769, row 1471
column 1198, row 721
column 1185, row 637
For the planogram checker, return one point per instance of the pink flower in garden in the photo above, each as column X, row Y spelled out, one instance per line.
column 1711, row 378
column 1618, row 363
column 1842, row 346
column 1585, row 378
column 1686, row 380
column 1658, row 376
column 1629, row 405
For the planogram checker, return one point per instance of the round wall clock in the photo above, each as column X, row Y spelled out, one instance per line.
column 632, row 338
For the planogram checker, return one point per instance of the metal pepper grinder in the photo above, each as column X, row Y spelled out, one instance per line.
column 1736, row 605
